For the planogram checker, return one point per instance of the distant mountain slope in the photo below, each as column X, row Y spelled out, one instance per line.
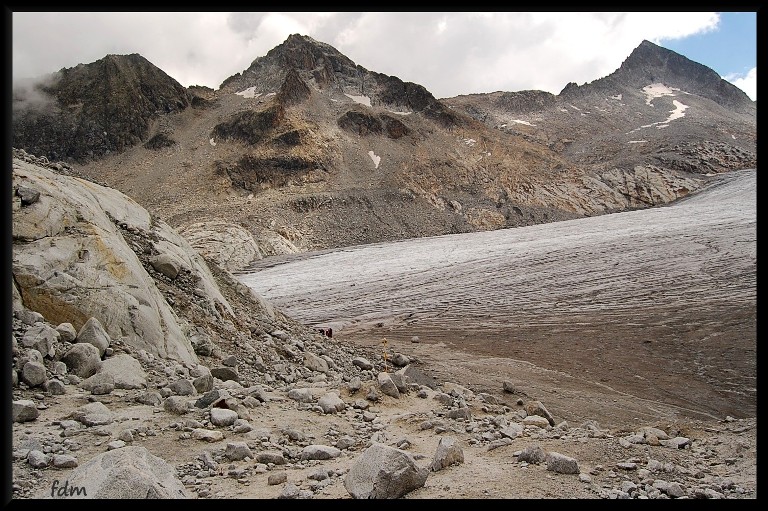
column 93, row 109
column 307, row 150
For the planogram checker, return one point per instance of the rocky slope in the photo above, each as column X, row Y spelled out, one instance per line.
column 251, row 404
column 307, row 150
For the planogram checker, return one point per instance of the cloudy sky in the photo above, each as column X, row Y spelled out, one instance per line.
column 450, row 53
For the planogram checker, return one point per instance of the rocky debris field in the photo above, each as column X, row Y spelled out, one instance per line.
column 263, row 406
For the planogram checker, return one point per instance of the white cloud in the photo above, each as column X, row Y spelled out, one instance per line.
column 747, row 82
column 450, row 53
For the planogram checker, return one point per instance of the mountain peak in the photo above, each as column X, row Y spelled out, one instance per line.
column 650, row 63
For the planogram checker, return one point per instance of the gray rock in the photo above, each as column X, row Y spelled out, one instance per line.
column 331, row 403
column 400, row 381
column 230, row 361
column 126, row 371
column 512, row 431
column 290, row 491
column 237, row 451
column 182, row 387
column 315, row 363
column 28, row 195
column 23, row 410
column 127, row 473
column 207, row 435
column 274, row 457
column 151, row 398
column 501, row 442
column 14, row 378
column 26, row 316
column 82, row 359
column 278, row 478
column 55, row 387
column 536, row 408
column 98, row 384
column 223, row 417
column 33, row 374
column 59, row 368
column 67, row 332
column 443, row 398
column 116, row 444
column 400, row 360
column 679, row 442
column 383, row 472
column 42, row 338
column 319, row 452
column 208, row 398
column 303, row 395
column 509, row 387
column 345, row 442
column 38, row 459
column 176, row 404
column 354, row 384
column 201, row 343
column 166, row 264
column 387, row 386
column 93, row 414
column 448, row 453
column 241, row 426
column 64, row 461
column 225, row 374
column 362, row 363
column 93, row 333
column 203, row 383
column 533, row 454
column 460, row 413
column 562, row 464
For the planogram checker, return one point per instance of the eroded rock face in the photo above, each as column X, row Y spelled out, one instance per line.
column 83, row 250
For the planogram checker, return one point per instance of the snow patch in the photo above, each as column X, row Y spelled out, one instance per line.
column 574, row 107
column 677, row 113
column 250, row 92
column 213, row 142
column 376, row 159
column 565, row 110
column 518, row 121
column 617, row 97
column 637, row 142
column 363, row 100
column 470, row 141
column 657, row 90
column 733, row 137
column 398, row 113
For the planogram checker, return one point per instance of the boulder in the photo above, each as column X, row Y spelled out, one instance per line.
column 127, row 473
column 93, row 333
column 383, row 472
column 82, row 359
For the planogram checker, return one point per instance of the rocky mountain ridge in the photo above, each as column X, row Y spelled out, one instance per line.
column 307, row 150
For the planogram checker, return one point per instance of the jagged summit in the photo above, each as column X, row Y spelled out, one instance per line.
column 650, row 63
column 92, row 109
column 324, row 68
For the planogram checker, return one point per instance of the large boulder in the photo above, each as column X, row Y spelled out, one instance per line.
column 126, row 371
column 78, row 252
column 41, row 337
column 93, row 333
column 383, row 472
column 82, row 359
column 125, row 473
